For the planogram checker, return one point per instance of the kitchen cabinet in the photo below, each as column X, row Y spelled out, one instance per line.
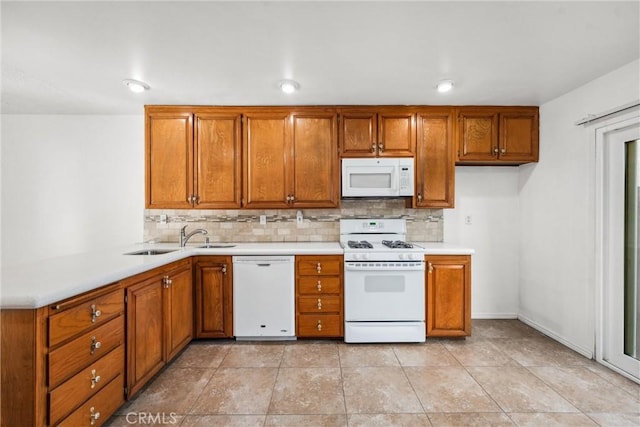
column 319, row 296
column 448, row 295
column 290, row 159
column 435, row 159
column 214, row 293
column 497, row 135
column 59, row 362
column 192, row 158
column 159, row 320
column 377, row 132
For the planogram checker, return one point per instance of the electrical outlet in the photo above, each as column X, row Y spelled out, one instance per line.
column 299, row 219
column 468, row 220
column 263, row 220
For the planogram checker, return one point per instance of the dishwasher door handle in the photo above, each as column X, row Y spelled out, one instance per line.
column 263, row 265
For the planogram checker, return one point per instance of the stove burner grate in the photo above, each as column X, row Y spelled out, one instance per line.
column 397, row 244
column 363, row 244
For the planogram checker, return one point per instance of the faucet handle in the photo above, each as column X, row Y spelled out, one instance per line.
column 182, row 230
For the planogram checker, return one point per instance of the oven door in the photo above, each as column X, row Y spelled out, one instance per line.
column 384, row 291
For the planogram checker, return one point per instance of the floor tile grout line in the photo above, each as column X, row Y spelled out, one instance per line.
column 554, row 388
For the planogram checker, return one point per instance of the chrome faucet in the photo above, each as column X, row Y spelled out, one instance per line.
column 184, row 238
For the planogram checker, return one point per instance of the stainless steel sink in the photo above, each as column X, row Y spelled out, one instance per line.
column 217, row 245
column 151, row 252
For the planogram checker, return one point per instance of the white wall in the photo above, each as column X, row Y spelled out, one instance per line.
column 489, row 195
column 556, row 274
column 70, row 183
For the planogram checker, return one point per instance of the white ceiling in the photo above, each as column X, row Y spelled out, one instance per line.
column 71, row 57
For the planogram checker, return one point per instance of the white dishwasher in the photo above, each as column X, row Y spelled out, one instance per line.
column 263, row 297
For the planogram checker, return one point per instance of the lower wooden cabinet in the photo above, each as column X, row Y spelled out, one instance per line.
column 448, row 295
column 159, row 320
column 319, row 296
column 214, row 296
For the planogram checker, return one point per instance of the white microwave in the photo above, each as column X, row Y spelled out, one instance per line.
column 377, row 177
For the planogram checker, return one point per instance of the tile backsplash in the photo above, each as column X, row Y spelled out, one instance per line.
column 319, row 225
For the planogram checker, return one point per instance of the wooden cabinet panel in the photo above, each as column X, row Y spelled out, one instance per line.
column 145, row 332
column 217, row 160
column 435, row 159
column 319, row 296
column 179, row 311
column 67, row 322
column 519, row 136
column 85, row 384
column 477, row 134
column 315, row 160
column 384, row 132
column 448, row 295
column 169, row 159
column 96, row 411
column 214, row 297
column 396, row 133
column 358, row 133
column 65, row 361
column 267, row 153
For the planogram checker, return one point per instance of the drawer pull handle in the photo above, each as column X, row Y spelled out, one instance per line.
column 95, row 379
column 319, row 287
column 319, row 268
column 319, row 326
column 319, row 303
column 94, row 415
column 94, row 313
column 95, row 345
column 430, row 268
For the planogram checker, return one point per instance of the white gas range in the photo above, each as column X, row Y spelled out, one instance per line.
column 383, row 282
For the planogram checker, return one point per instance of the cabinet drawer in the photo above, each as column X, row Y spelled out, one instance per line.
column 319, row 325
column 84, row 350
column 88, row 314
column 85, row 384
column 319, row 285
column 314, row 266
column 97, row 410
column 319, row 304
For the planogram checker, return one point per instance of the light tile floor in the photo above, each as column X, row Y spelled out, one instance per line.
column 506, row 374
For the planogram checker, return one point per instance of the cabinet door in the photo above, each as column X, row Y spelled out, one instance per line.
column 217, row 160
column 519, row 136
column 358, row 133
column 267, row 157
column 315, row 160
column 169, row 159
column 396, row 133
column 179, row 311
column 145, row 332
column 435, row 160
column 448, row 296
column 214, row 294
column 477, row 135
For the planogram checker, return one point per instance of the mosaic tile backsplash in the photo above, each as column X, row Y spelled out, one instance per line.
column 319, row 225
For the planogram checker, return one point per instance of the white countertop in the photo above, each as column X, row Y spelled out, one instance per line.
column 43, row 282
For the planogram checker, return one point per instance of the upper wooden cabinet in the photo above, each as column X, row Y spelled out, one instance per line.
column 192, row 158
column 291, row 159
column 497, row 135
column 381, row 132
column 435, row 159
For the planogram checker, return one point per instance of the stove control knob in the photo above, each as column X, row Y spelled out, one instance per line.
column 410, row 256
column 364, row 256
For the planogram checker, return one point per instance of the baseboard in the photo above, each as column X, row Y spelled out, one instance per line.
column 588, row 353
column 494, row 316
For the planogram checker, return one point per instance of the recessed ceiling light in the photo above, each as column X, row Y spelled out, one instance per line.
column 444, row 86
column 289, row 86
column 136, row 85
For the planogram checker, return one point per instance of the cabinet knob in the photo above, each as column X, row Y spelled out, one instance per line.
column 95, row 313
column 430, row 268
column 319, row 325
column 94, row 378
column 319, row 268
column 166, row 282
column 319, row 303
column 373, row 147
column 319, row 286
column 495, row 150
column 94, row 415
column 503, row 150
column 419, row 197
column 224, row 269
column 95, row 345
column 380, row 147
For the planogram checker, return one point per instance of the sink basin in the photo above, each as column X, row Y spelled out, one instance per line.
column 217, row 245
column 151, row 252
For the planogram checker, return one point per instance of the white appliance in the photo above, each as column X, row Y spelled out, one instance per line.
column 384, row 283
column 377, row 177
column 263, row 297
